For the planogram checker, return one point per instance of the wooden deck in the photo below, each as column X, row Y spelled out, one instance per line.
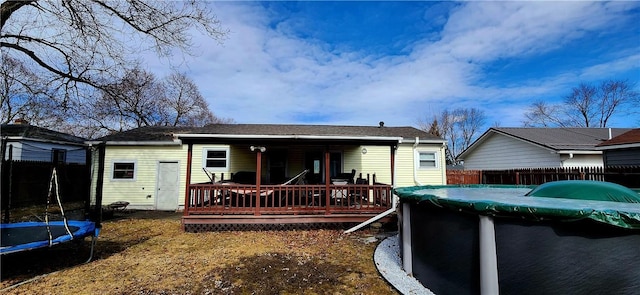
column 228, row 206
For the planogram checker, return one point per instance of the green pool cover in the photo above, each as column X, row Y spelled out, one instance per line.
column 561, row 200
column 586, row 190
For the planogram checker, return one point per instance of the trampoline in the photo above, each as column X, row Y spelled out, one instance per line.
column 25, row 236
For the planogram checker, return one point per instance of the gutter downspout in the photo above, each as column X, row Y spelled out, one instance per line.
column 415, row 168
column 394, row 202
column 372, row 219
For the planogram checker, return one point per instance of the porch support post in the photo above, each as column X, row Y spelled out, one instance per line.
column 327, row 179
column 187, row 191
column 258, row 174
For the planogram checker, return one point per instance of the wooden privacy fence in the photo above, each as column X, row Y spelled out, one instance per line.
column 463, row 176
column 628, row 176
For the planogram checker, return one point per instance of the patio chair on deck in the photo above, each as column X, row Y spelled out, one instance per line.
column 358, row 194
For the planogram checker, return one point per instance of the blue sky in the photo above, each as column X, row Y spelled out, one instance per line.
column 358, row 63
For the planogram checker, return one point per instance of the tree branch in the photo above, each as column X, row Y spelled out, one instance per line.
column 9, row 7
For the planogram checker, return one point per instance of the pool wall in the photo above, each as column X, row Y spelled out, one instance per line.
column 531, row 257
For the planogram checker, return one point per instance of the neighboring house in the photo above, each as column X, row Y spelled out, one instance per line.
column 622, row 150
column 24, row 142
column 514, row 148
column 163, row 168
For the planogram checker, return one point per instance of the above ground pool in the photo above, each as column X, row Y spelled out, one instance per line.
column 565, row 237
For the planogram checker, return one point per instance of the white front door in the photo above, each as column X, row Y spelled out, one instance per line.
column 168, row 189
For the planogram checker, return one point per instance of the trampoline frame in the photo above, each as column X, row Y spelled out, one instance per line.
column 84, row 229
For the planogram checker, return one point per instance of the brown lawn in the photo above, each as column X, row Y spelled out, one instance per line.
column 144, row 254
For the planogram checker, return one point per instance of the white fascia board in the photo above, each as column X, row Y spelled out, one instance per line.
column 570, row 152
column 175, row 142
column 430, row 141
column 21, row 138
column 619, row 146
column 309, row 137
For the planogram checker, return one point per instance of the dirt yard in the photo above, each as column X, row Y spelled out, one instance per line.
column 144, row 253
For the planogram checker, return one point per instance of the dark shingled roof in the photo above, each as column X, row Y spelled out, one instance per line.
column 629, row 137
column 148, row 133
column 34, row 132
column 166, row 133
column 563, row 138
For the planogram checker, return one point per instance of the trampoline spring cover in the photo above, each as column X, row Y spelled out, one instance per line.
column 22, row 236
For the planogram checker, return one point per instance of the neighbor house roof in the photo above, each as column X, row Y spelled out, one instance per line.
column 283, row 131
column 628, row 139
column 556, row 139
column 15, row 132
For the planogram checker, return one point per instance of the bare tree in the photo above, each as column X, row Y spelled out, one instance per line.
column 77, row 46
column 469, row 122
column 542, row 114
column 586, row 106
column 183, row 105
column 23, row 95
column 459, row 127
column 140, row 99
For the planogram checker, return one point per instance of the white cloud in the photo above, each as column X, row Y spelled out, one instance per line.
column 264, row 74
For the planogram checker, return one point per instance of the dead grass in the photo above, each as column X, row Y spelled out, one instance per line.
column 153, row 256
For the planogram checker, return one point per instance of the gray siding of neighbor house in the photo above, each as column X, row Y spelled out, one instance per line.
column 41, row 151
column 501, row 152
column 622, row 157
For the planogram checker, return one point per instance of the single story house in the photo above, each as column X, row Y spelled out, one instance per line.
column 24, row 142
column 502, row 148
column 265, row 173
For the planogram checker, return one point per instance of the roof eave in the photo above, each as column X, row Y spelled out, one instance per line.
column 22, row 138
column 619, row 146
column 303, row 137
column 175, row 142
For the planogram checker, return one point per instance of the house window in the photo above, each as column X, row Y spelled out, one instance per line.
column 427, row 160
column 58, row 156
column 216, row 159
column 124, row 170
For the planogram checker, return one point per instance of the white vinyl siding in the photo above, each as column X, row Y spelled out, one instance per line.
column 377, row 161
column 502, row 152
column 352, row 159
column 407, row 163
column 140, row 192
column 579, row 160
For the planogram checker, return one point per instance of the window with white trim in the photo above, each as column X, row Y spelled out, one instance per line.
column 123, row 170
column 427, row 160
column 215, row 159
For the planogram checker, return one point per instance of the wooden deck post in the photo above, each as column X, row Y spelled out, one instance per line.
column 258, row 174
column 327, row 181
column 187, row 192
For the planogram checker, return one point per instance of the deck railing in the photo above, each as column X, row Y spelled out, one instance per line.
column 223, row 199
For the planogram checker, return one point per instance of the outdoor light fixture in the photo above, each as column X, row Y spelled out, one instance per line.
column 364, row 151
column 258, row 148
